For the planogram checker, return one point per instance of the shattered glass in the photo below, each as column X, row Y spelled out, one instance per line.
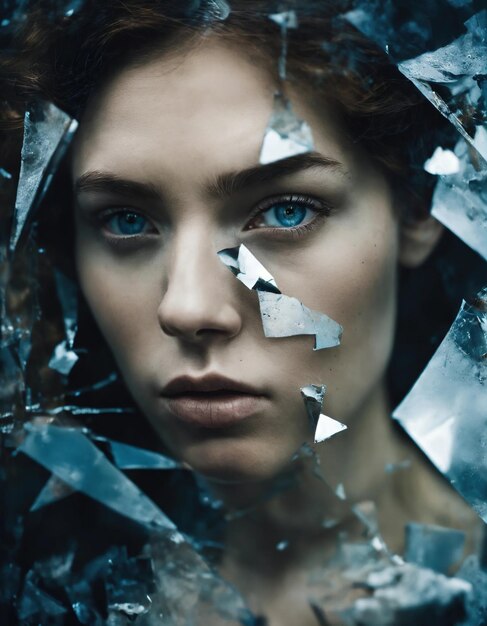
column 72, row 458
column 324, row 427
column 64, row 357
column 434, row 547
column 48, row 132
column 444, row 413
column 452, row 78
column 282, row 316
column 285, row 135
column 286, row 20
column 460, row 199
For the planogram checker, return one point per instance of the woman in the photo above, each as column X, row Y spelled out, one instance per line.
column 164, row 172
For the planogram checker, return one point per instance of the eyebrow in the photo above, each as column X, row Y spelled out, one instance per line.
column 223, row 185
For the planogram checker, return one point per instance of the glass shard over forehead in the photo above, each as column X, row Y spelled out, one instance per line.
column 47, row 134
column 323, row 426
column 70, row 456
column 282, row 316
column 445, row 411
column 285, row 135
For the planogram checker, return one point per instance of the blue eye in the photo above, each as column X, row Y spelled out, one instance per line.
column 287, row 214
column 127, row 223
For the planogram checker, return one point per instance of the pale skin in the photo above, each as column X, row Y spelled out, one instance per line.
column 167, row 306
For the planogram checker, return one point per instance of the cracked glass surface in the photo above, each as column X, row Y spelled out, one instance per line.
column 444, row 413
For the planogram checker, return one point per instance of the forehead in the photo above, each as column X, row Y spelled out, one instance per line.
column 205, row 109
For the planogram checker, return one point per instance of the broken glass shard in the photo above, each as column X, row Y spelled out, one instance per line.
column 38, row 606
column 128, row 583
column 70, row 456
column 442, row 162
column 408, row 594
column 324, row 427
column 286, row 20
column 63, row 359
column 451, row 78
column 434, row 547
column 444, row 413
column 284, row 316
column 248, row 269
column 460, row 200
column 285, row 135
column 48, row 132
column 217, row 10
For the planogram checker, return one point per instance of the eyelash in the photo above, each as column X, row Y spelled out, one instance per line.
column 321, row 208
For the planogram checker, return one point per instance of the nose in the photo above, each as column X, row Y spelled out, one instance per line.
column 197, row 305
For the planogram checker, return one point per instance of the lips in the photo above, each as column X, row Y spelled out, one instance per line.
column 212, row 401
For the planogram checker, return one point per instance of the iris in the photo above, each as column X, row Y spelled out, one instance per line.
column 286, row 214
column 127, row 223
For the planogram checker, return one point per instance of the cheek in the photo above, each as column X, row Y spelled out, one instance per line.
column 350, row 274
column 124, row 304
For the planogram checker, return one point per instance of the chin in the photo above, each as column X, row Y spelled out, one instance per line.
column 237, row 463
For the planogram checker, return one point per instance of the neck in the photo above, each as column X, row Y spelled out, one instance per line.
column 295, row 510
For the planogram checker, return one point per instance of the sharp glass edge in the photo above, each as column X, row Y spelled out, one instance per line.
column 444, row 413
column 39, row 163
column 70, row 456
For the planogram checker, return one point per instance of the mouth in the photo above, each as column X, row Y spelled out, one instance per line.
column 212, row 401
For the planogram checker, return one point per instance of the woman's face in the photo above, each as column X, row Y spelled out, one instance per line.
column 157, row 173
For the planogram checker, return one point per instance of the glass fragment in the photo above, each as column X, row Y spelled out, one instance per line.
column 70, row 456
column 460, row 199
column 48, row 132
column 405, row 594
column 324, row 427
column 282, row 316
column 248, row 269
column 444, row 413
column 434, row 547
column 451, row 78
column 286, row 20
column 285, row 135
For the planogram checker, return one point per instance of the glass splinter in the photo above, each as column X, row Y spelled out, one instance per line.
column 286, row 20
column 70, row 456
column 285, row 135
column 47, row 134
column 325, row 427
column 282, row 316
column 444, row 413
column 248, row 269
column 64, row 357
